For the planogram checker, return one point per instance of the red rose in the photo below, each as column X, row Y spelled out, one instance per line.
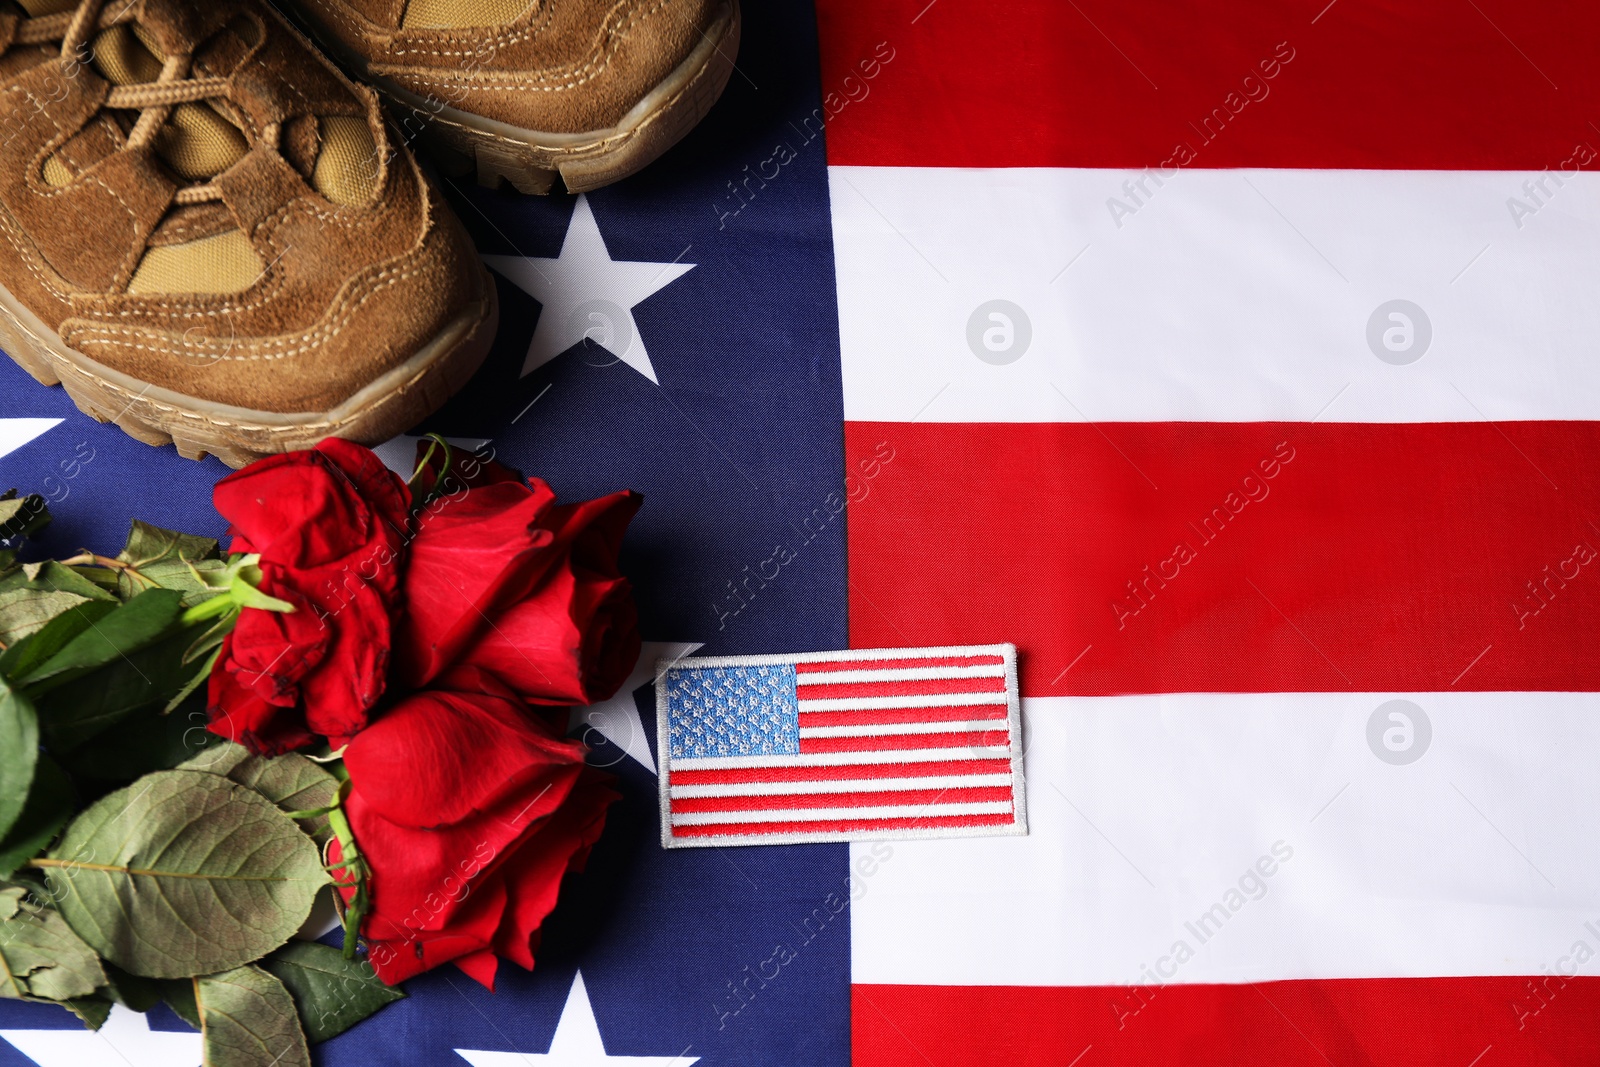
column 468, row 808
column 501, row 577
column 330, row 525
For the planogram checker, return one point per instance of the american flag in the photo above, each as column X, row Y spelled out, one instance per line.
column 1282, row 483
column 839, row 746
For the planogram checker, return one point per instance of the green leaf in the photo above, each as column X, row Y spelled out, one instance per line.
column 151, row 544
column 93, row 1010
column 247, row 595
column 331, row 992
column 22, row 516
column 147, row 741
column 129, row 990
column 25, row 611
column 201, row 675
column 32, row 651
column 179, row 995
column 19, row 752
column 290, row 781
column 188, row 576
column 249, row 1020
column 196, row 581
column 48, row 808
column 221, row 759
column 51, row 576
column 184, row 873
column 41, row 958
column 131, row 626
column 80, row 710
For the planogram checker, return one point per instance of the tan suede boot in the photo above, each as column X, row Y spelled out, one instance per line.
column 210, row 238
column 525, row 90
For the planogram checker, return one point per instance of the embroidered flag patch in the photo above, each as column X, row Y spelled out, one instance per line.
column 840, row 746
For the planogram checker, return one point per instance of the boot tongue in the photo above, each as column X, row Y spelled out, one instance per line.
column 337, row 155
column 455, row 14
column 196, row 141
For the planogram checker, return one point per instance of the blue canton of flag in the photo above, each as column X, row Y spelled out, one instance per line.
column 715, row 391
column 732, row 711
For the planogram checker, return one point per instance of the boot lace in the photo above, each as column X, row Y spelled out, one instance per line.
column 76, row 29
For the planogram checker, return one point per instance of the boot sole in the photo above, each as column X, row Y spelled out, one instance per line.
column 531, row 160
column 390, row 405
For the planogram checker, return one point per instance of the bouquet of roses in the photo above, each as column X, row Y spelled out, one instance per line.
column 364, row 696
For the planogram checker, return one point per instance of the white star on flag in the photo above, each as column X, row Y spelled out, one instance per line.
column 617, row 719
column 14, row 433
column 587, row 295
column 125, row 1040
column 576, row 1043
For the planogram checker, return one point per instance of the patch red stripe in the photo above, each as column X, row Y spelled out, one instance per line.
column 849, row 772
column 843, row 825
column 882, row 716
column 820, row 666
column 1375, row 558
column 924, row 687
column 1384, row 1022
column 1485, row 85
column 877, row 798
column 898, row 742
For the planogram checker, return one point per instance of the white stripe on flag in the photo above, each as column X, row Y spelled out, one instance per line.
column 901, row 674
column 1228, row 295
column 1148, row 814
column 841, row 759
column 896, row 811
column 935, row 700
column 845, row 785
column 984, row 725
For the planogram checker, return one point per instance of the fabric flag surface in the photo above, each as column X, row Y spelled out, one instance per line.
column 838, row 746
column 1235, row 362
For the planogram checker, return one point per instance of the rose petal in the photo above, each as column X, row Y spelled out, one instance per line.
column 595, row 529
column 480, row 967
column 574, row 643
column 271, row 651
column 466, row 552
column 306, row 509
column 439, row 757
column 499, row 548
column 407, row 951
column 354, row 674
column 533, row 874
column 331, row 525
column 238, row 714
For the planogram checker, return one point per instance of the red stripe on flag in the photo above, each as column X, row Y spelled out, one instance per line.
column 924, row 687
column 882, row 716
column 896, row 742
column 843, row 825
column 879, row 798
column 1272, row 84
column 1382, row 1022
column 819, row 666
column 847, row 772
column 1376, row 557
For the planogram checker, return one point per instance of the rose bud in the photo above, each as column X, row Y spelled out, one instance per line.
column 503, row 578
column 330, row 525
